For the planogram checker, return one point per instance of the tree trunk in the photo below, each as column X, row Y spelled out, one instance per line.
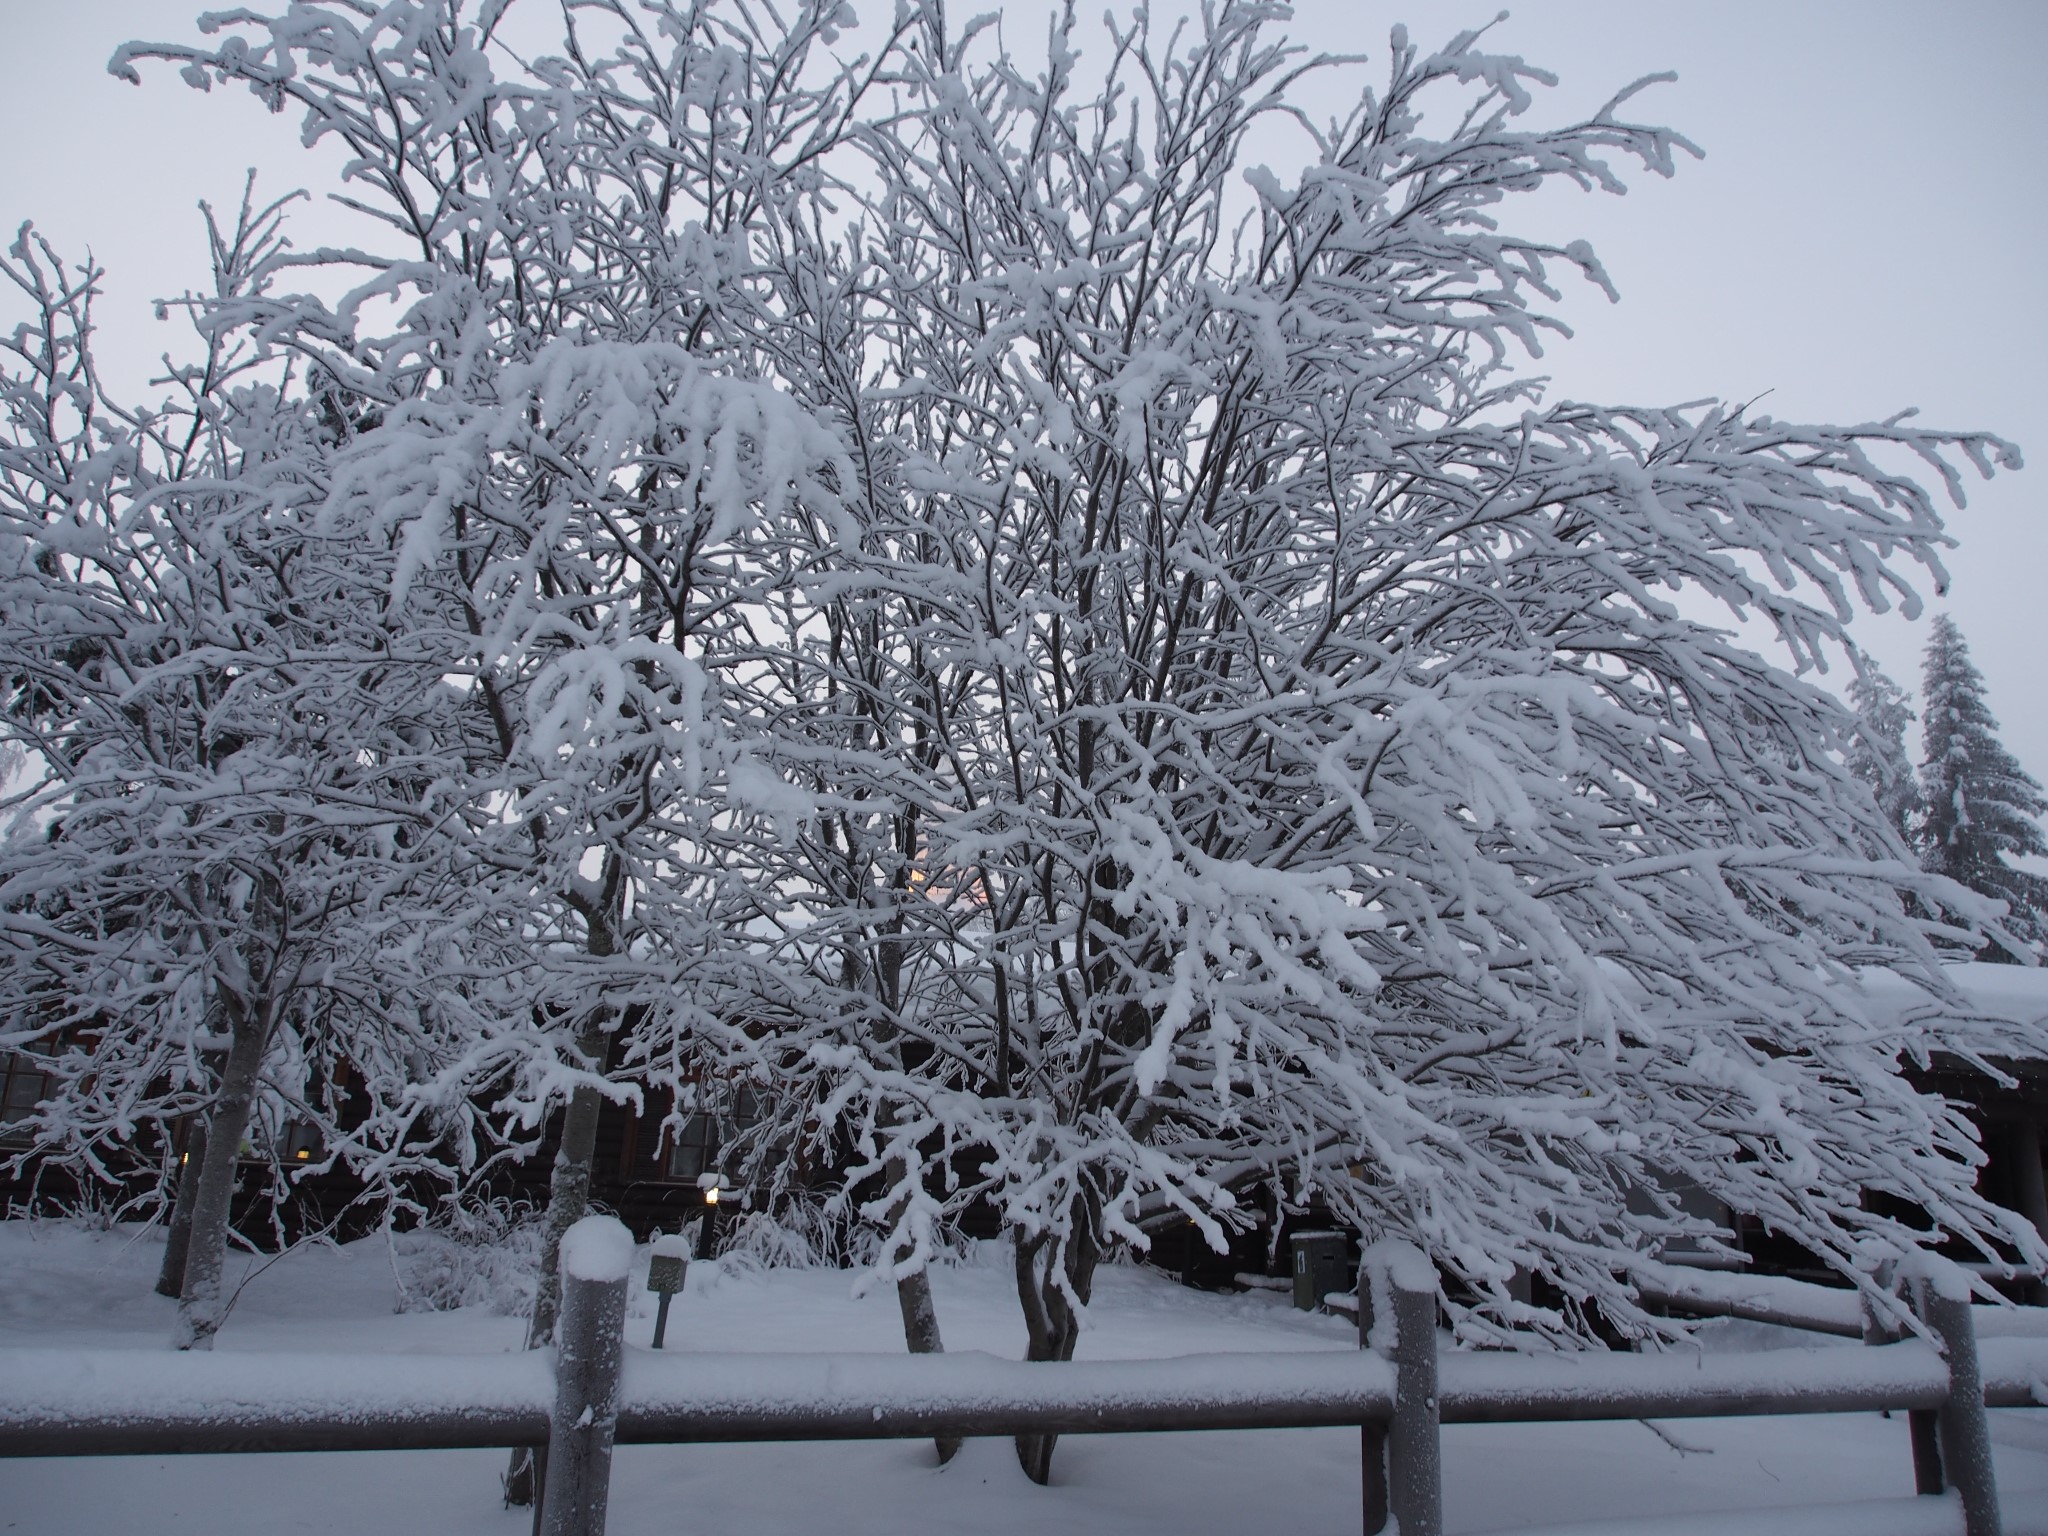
column 170, row 1278
column 1052, row 1322
column 921, row 1325
column 568, row 1203
column 200, row 1304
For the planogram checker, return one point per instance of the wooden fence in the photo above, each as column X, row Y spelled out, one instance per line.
column 593, row 1393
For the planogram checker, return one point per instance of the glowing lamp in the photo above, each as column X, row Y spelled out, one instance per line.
column 712, row 1184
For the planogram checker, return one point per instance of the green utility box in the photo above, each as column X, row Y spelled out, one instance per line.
column 1322, row 1264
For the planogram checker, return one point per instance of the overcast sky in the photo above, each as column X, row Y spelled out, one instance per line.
column 1865, row 233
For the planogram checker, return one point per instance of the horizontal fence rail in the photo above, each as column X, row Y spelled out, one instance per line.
column 67, row 1403
column 121, row 1402
column 1499, row 1389
column 107, row 1402
column 890, row 1397
column 594, row 1393
column 1755, row 1298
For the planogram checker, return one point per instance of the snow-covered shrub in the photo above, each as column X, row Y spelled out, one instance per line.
column 800, row 1232
column 473, row 1254
column 807, row 1233
column 800, row 1236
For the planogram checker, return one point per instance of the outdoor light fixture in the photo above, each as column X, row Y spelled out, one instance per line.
column 713, row 1185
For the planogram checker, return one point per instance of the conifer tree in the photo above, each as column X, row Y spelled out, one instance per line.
column 1877, row 751
column 1980, row 803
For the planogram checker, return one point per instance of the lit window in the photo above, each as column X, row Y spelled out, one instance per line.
column 300, row 1142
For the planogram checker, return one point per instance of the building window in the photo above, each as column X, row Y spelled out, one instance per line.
column 693, row 1150
column 24, row 1084
column 300, row 1142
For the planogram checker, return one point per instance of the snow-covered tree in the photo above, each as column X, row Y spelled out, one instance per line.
column 218, row 736
column 1877, row 748
column 591, row 488
column 1981, row 805
column 1317, row 785
column 1076, row 659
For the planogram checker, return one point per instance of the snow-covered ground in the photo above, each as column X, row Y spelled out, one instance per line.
column 61, row 1286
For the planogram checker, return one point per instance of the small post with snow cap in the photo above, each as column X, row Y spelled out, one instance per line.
column 1941, row 1292
column 1403, row 1292
column 597, row 1255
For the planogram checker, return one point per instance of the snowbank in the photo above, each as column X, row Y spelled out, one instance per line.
column 95, row 1288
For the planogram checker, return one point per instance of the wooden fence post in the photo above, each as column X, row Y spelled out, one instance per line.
column 597, row 1255
column 1943, row 1299
column 1404, row 1293
column 1920, row 1426
column 1372, row 1436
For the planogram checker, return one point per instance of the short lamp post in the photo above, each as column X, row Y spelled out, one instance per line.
column 667, row 1268
column 713, row 1187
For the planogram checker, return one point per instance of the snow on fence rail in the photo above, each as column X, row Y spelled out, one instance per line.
column 146, row 1402
column 108, row 1402
column 112, row 1402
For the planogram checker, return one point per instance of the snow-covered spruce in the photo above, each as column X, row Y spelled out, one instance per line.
column 1877, row 750
column 1982, row 808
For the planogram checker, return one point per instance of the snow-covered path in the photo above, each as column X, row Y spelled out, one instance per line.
column 64, row 1287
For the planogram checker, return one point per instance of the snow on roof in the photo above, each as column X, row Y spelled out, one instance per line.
column 2010, row 1003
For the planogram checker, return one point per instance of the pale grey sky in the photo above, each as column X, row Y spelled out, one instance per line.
column 1864, row 234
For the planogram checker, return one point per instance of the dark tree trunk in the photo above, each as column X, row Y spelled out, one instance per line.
column 1052, row 1321
column 201, row 1307
column 170, row 1279
column 921, row 1333
column 568, row 1203
column 921, row 1324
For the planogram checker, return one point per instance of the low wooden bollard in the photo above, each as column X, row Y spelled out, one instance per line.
column 597, row 1256
column 1407, row 1481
